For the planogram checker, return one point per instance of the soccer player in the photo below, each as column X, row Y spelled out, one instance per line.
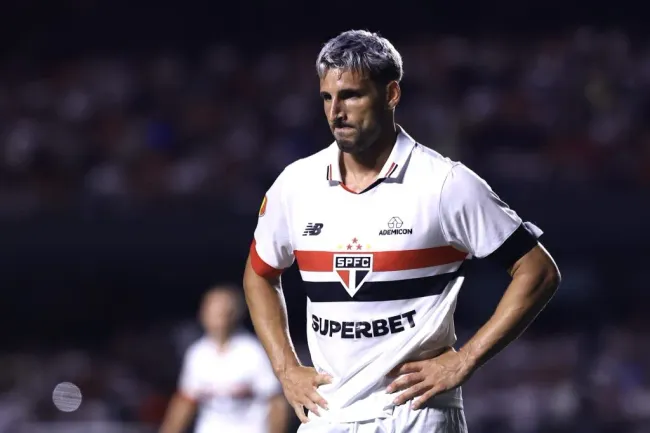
column 227, row 375
column 380, row 227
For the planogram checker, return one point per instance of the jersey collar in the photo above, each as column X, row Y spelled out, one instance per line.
column 392, row 169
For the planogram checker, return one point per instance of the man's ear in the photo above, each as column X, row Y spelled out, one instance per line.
column 393, row 94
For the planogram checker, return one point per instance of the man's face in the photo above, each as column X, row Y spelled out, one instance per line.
column 219, row 313
column 353, row 106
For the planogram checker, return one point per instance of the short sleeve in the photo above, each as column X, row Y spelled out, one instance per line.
column 189, row 384
column 272, row 251
column 266, row 384
column 474, row 219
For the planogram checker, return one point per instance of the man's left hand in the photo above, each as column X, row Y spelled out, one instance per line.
column 425, row 379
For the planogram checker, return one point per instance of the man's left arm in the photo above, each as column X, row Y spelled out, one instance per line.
column 475, row 220
column 535, row 279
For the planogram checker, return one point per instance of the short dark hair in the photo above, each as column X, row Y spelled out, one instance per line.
column 363, row 52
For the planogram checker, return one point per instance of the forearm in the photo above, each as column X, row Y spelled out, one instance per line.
column 525, row 297
column 268, row 314
column 278, row 415
column 178, row 416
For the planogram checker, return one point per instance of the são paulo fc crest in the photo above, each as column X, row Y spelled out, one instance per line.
column 353, row 268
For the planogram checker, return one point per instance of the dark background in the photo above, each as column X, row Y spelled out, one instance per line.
column 137, row 140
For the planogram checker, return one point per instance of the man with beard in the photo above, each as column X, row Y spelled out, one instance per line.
column 380, row 227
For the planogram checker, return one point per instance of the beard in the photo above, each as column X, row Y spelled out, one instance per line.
column 356, row 142
column 352, row 147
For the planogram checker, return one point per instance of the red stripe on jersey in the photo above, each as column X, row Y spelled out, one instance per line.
column 391, row 169
column 348, row 189
column 260, row 267
column 383, row 261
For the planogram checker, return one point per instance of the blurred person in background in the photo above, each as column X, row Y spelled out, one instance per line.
column 405, row 218
column 226, row 375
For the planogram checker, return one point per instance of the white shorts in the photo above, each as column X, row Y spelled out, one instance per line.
column 403, row 420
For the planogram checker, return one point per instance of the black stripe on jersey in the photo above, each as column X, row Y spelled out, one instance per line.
column 515, row 247
column 373, row 185
column 380, row 180
column 333, row 291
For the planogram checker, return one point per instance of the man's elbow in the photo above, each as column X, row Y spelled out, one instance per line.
column 541, row 272
column 550, row 278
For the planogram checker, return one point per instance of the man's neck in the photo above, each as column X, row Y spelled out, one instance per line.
column 222, row 341
column 360, row 170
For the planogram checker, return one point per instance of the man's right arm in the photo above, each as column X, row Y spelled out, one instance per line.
column 183, row 405
column 179, row 414
column 268, row 314
column 271, row 252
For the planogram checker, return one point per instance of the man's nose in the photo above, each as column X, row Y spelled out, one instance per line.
column 336, row 111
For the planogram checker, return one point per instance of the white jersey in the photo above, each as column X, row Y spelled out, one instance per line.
column 381, row 269
column 232, row 388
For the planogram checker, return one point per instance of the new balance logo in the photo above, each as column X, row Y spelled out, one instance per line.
column 312, row 229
